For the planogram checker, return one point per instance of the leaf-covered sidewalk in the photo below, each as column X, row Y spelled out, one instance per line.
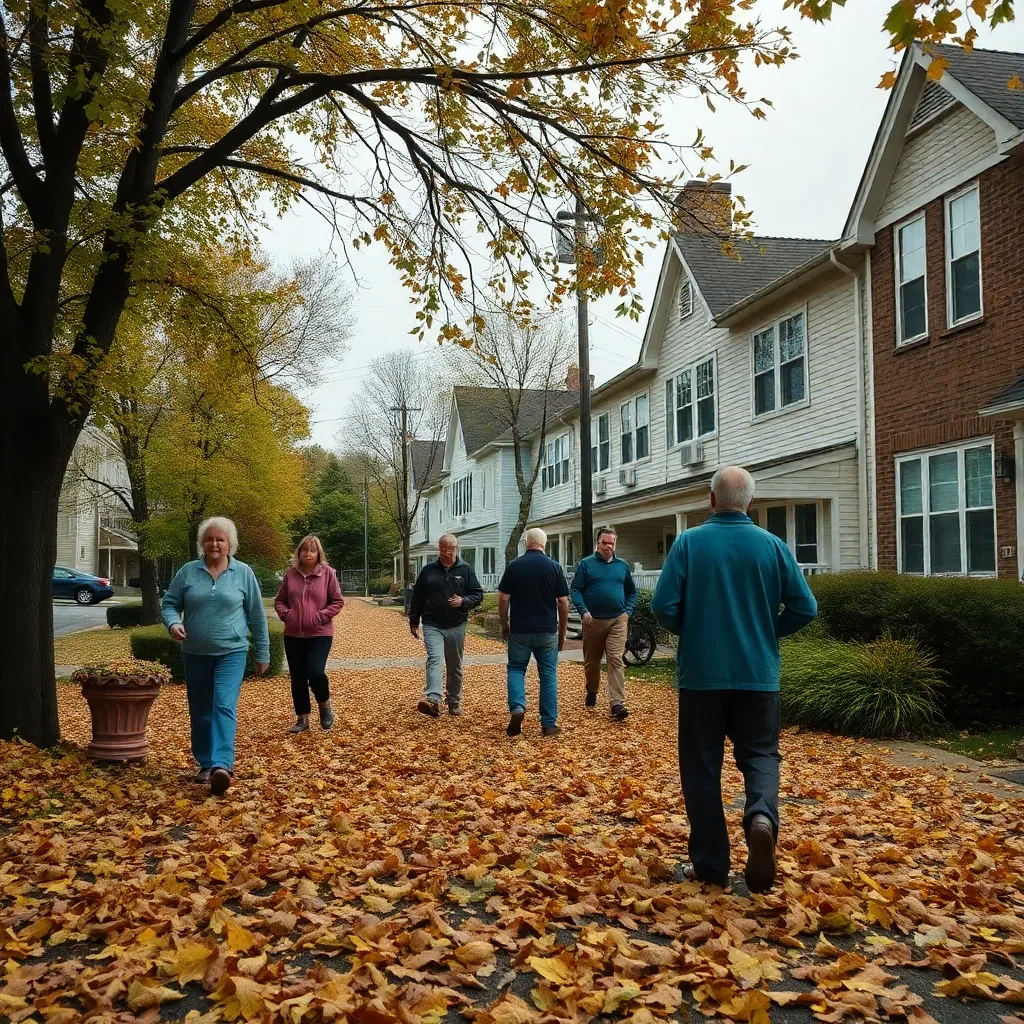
column 400, row 869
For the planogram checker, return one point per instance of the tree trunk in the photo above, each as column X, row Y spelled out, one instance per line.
column 512, row 547
column 32, row 464
column 147, row 581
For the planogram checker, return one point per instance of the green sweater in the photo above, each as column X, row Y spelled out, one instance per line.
column 605, row 589
column 218, row 614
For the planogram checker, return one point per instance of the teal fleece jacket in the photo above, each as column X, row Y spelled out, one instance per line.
column 721, row 590
column 219, row 613
column 605, row 589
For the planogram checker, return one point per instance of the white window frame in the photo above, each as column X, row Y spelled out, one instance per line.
column 774, row 326
column 462, row 496
column 686, row 300
column 950, row 199
column 487, row 561
column 923, row 455
column 923, row 217
column 632, row 403
column 759, row 513
column 694, row 420
column 556, row 461
column 596, row 443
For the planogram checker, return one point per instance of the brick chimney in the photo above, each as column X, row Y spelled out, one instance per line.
column 705, row 208
column 572, row 378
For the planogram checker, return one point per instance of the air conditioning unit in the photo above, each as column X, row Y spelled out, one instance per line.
column 627, row 477
column 601, row 485
column 692, row 454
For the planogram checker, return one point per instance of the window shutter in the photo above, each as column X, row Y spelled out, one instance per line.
column 670, row 413
column 685, row 299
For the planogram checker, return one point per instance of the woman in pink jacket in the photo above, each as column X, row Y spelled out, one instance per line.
column 307, row 601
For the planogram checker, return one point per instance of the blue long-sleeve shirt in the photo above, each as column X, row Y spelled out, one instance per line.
column 218, row 612
column 605, row 589
column 720, row 591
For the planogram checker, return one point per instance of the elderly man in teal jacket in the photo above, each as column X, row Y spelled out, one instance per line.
column 730, row 591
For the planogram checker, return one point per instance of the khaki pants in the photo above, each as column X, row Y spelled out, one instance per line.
column 607, row 638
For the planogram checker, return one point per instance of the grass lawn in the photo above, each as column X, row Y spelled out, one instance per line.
column 657, row 670
column 1000, row 744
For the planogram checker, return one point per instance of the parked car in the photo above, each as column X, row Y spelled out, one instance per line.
column 83, row 587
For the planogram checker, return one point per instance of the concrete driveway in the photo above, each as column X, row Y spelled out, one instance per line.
column 69, row 617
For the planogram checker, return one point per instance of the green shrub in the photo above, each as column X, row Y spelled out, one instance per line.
column 488, row 604
column 883, row 688
column 154, row 643
column 381, row 585
column 973, row 627
column 122, row 616
column 643, row 616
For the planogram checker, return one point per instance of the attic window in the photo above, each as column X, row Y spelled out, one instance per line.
column 685, row 299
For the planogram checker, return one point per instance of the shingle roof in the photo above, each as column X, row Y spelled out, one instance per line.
column 485, row 418
column 987, row 74
column 427, row 463
column 1013, row 395
column 725, row 279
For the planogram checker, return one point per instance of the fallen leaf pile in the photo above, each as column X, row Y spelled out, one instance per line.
column 402, row 869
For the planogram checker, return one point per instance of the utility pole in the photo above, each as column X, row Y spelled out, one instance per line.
column 580, row 219
column 403, row 500
column 366, row 533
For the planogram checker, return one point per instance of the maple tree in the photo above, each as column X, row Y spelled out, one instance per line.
column 396, row 869
column 125, row 128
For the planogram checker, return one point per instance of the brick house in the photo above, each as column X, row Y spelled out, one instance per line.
column 939, row 215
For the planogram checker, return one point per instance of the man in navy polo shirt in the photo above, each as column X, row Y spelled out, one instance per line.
column 536, row 588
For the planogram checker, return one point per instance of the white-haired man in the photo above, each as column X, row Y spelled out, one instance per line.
column 444, row 594
column 721, row 590
column 535, row 587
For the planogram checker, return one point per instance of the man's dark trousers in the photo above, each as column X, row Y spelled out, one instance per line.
column 751, row 719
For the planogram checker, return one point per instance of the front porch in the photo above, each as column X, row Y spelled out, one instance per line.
column 118, row 552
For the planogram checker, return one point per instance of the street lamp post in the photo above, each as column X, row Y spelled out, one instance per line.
column 571, row 254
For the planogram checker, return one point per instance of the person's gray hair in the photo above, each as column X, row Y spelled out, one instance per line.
column 219, row 523
column 733, row 488
column 450, row 537
column 536, row 538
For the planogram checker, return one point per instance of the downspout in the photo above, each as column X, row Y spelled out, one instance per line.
column 862, row 455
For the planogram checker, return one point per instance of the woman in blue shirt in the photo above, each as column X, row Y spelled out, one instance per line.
column 220, row 601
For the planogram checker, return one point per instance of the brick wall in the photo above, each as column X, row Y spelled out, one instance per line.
column 929, row 393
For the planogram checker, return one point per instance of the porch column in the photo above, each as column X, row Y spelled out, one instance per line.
column 1018, row 445
column 680, row 524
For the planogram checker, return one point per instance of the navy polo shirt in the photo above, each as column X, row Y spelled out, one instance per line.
column 534, row 583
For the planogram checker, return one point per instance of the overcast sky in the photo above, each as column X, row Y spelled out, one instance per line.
column 804, row 163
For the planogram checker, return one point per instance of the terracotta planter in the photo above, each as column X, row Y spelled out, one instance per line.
column 119, row 705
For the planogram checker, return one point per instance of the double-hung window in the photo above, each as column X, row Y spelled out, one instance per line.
column 556, row 468
column 635, row 429
column 947, row 515
column 963, row 256
column 462, row 496
column 487, row 561
column 780, row 365
column 796, row 525
column 600, row 444
column 911, row 290
column 690, row 403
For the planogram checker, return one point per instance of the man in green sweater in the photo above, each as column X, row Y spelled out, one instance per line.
column 605, row 596
column 721, row 590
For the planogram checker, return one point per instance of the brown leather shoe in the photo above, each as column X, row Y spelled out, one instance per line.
column 220, row 779
column 515, row 723
column 428, row 707
column 551, row 730
column 760, row 870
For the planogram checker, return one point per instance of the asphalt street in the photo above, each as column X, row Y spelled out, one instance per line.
column 68, row 616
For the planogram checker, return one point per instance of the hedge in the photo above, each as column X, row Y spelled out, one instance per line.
column 122, row 616
column 973, row 627
column 154, row 643
column 884, row 688
column 643, row 616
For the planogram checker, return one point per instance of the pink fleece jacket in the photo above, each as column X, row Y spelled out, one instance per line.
column 307, row 604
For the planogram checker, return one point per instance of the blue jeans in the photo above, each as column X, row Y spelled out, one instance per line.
column 447, row 643
column 544, row 647
column 213, row 682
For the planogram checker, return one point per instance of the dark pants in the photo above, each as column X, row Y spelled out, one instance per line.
column 307, row 663
column 751, row 719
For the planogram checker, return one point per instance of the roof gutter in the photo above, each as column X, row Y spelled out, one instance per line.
column 724, row 318
column 1004, row 411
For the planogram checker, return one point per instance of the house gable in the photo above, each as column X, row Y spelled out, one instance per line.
column 929, row 141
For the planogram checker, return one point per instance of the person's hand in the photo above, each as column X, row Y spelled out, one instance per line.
column 561, row 641
column 588, row 619
column 415, row 630
column 178, row 632
column 504, row 632
column 454, row 601
column 261, row 667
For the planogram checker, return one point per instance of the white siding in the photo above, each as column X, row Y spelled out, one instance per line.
column 937, row 158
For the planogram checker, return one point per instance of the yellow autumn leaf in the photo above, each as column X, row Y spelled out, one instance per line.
column 377, row 904
column 142, row 997
column 474, row 954
column 10, row 1004
column 217, row 871
column 187, row 963
column 244, row 997
column 551, row 968
column 511, row 1010
column 615, row 997
column 1015, row 84
column 251, row 966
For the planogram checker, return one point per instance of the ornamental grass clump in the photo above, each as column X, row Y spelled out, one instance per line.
column 885, row 688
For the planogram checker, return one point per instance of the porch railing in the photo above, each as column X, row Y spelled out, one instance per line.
column 489, row 581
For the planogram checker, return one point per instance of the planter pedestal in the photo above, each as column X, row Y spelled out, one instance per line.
column 119, row 706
